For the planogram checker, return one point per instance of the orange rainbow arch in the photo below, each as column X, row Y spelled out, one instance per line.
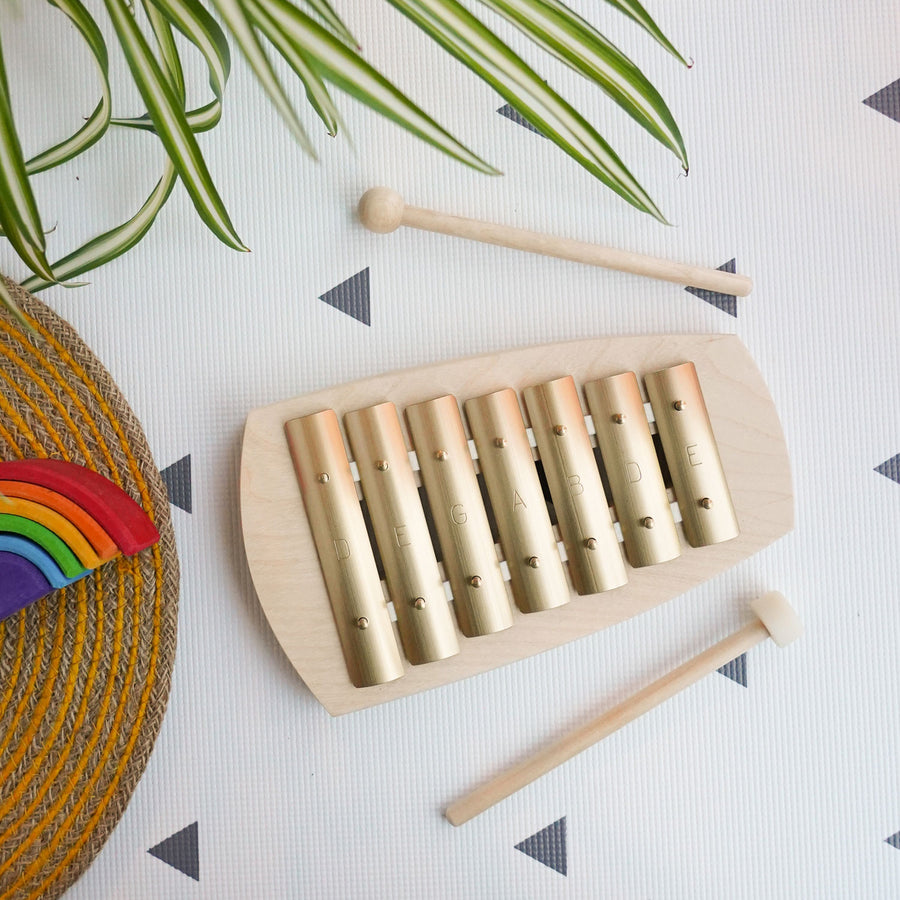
column 59, row 521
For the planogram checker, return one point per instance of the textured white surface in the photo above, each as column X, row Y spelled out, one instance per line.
column 786, row 788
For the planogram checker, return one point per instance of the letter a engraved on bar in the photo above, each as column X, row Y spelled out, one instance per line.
column 341, row 548
column 401, row 533
column 693, row 455
column 518, row 501
column 458, row 514
column 575, row 485
column 633, row 471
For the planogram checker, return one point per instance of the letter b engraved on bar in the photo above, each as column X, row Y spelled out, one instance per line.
column 575, row 485
column 458, row 514
column 341, row 549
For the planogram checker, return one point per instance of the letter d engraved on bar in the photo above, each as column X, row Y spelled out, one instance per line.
column 536, row 572
column 414, row 580
column 480, row 597
column 708, row 515
column 336, row 521
column 635, row 479
column 582, row 510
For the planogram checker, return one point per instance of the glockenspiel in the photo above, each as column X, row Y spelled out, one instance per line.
column 418, row 527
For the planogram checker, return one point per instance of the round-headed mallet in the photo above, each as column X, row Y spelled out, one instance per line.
column 383, row 210
column 774, row 617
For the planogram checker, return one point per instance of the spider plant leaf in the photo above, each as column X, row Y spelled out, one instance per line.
column 637, row 13
column 167, row 113
column 20, row 220
column 202, row 30
column 463, row 35
column 316, row 92
column 333, row 22
column 552, row 25
column 348, row 71
column 116, row 241
column 235, row 15
column 96, row 124
column 168, row 52
column 6, row 300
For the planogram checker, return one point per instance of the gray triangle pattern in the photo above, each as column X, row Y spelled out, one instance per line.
column 181, row 851
column 725, row 302
column 515, row 116
column 886, row 101
column 351, row 297
column 890, row 468
column 177, row 479
column 736, row 670
column 548, row 846
column 894, row 840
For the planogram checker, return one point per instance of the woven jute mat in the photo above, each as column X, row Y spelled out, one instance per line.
column 85, row 672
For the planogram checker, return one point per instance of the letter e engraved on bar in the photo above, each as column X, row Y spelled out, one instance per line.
column 633, row 472
column 341, row 549
column 518, row 501
column 693, row 454
column 575, row 485
column 401, row 534
column 458, row 514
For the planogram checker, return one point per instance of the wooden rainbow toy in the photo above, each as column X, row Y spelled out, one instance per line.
column 569, row 487
column 59, row 521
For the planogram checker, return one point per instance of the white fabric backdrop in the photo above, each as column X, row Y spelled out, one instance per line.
column 785, row 788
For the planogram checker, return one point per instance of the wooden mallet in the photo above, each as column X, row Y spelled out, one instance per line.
column 775, row 618
column 383, row 210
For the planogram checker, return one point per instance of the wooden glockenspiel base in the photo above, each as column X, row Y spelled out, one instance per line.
column 282, row 555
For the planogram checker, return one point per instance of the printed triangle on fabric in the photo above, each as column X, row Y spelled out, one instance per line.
column 894, row 840
column 736, row 670
column 181, row 851
column 890, row 468
column 515, row 116
column 177, row 479
column 725, row 302
column 351, row 297
column 548, row 846
column 886, row 101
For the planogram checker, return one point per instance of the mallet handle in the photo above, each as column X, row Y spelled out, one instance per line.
column 570, row 745
column 577, row 251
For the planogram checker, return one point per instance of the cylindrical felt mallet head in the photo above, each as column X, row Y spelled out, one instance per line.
column 779, row 617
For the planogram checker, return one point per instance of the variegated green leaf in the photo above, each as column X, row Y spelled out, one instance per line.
column 98, row 121
column 350, row 72
column 235, row 15
column 6, row 300
column 466, row 37
column 333, row 21
column 552, row 25
column 19, row 217
column 114, row 242
column 167, row 113
column 199, row 27
column 316, row 92
column 635, row 11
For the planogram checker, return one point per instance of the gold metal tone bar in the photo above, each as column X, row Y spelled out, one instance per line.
column 470, row 560
column 582, row 510
column 526, row 535
column 635, row 480
column 707, row 512
column 348, row 565
column 414, row 581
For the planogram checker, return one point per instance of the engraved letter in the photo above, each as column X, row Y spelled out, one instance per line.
column 401, row 533
column 342, row 549
column 632, row 471
column 575, row 485
column 458, row 514
column 693, row 455
column 518, row 501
